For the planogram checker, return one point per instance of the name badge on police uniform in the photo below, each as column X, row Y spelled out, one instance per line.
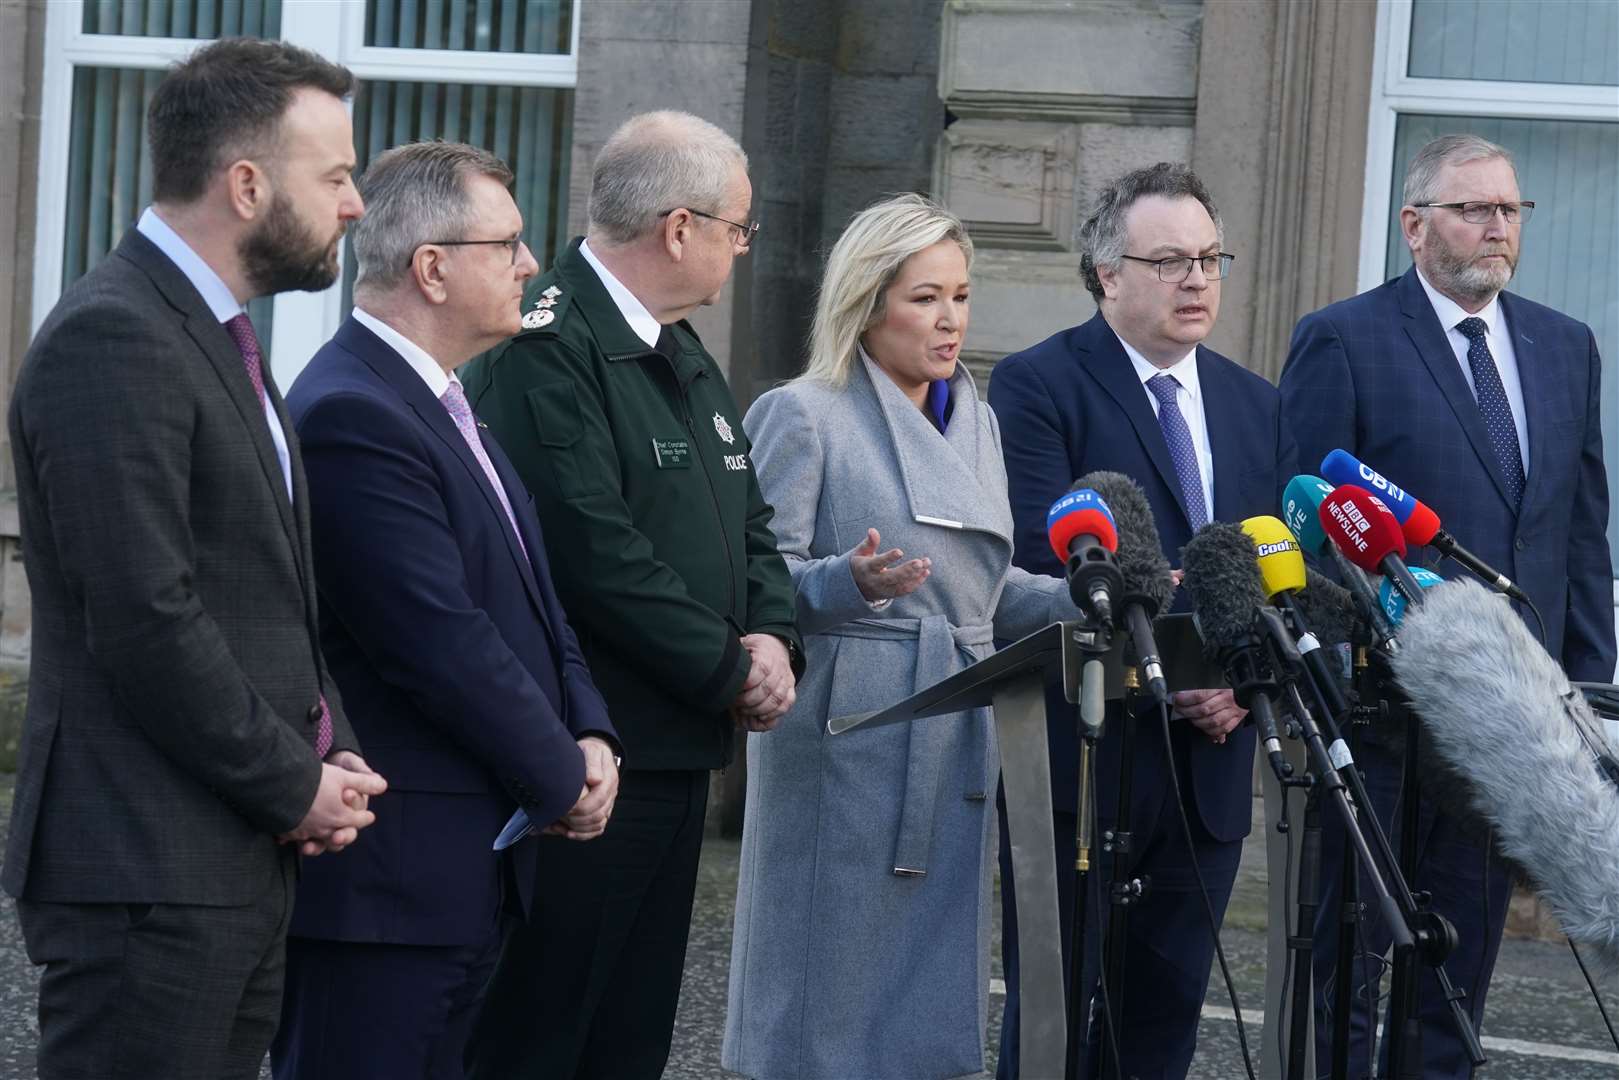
column 671, row 453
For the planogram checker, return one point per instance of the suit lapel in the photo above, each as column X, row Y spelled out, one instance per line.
column 1537, row 382
column 392, row 369
column 1223, row 412
column 1105, row 359
column 216, row 344
column 940, row 472
column 1428, row 337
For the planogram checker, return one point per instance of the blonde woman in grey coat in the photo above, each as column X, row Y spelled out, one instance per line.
column 863, row 907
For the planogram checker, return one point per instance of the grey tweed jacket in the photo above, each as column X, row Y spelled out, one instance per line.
column 170, row 721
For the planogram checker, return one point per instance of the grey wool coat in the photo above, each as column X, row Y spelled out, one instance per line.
column 863, row 907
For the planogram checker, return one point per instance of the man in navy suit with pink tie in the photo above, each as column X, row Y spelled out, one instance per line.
column 1485, row 406
column 442, row 628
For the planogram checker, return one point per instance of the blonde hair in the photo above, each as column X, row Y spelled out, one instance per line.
column 863, row 264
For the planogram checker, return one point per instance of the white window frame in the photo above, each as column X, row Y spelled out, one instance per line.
column 333, row 28
column 1395, row 92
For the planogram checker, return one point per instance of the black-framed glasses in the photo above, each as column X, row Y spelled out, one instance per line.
column 1177, row 268
column 515, row 243
column 1477, row 213
column 748, row 231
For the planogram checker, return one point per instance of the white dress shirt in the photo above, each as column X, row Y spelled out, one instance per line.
column 1190, row 399
column 1499, row 339
column 436, row 378
column 635, row 313
column 225, row 307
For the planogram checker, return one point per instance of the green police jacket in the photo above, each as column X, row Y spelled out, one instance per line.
column 658, row 536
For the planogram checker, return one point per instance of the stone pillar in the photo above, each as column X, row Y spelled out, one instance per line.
column 1051, row 101
column 1282, row 97
column 662, row 54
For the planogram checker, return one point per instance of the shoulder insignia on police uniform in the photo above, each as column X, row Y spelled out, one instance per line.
column 538, row 318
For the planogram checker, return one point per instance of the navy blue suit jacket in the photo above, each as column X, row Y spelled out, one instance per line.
column 1375, row 375
column 1072, row 405
column 450, row 647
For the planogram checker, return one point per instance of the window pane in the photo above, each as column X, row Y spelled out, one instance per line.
column 110, row 171
column 1567, row 255
column 527, row 26
column 1549, row 41
column 529, row 128
column 203, row 19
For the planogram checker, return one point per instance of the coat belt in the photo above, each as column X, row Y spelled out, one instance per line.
column 941, row 651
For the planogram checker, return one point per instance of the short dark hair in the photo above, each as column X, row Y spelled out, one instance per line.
column 1102, row 237
column 224, row 101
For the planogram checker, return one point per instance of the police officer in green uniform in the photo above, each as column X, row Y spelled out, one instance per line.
column 624, row 430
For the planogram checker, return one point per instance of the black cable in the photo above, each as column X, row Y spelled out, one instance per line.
column 1595, row 996
column 1203, row 891
column 1533, row 610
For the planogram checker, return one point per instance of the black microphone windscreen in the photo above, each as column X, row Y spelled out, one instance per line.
column 1140, row 556
column 1328, row 609
column 1222, row 576
column 1498, row 710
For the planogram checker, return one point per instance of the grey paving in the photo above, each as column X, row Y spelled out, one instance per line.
column 1537, row 997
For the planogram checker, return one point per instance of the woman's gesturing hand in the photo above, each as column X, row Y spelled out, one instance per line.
column 881, row 576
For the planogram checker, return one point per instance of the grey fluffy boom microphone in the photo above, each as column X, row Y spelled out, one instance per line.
column 1140, row 558
column 1500, row 713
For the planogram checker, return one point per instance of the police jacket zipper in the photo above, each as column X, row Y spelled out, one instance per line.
column 719, row 516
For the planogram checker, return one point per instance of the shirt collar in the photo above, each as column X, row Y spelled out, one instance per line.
column 414, row 355
column 1450, row 312
column 215, row 293
column 635, row 313
column 1184, row 370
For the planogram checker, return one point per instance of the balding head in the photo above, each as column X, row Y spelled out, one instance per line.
column 657, row 162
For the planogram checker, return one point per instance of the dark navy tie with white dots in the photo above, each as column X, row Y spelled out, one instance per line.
column 1492, row 403
column 1178, row 436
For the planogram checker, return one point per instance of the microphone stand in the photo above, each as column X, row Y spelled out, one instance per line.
column 1095, row 642
column 1416, row 931
column 1124, row 892
column 1349, row 916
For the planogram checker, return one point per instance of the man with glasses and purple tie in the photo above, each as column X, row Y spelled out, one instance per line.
column 1134, row 391
column 183, row 740
column 1484, row 405
column 443, row 630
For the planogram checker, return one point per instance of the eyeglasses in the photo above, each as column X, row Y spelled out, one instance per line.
column 1477, row 213
column 1177, row 268
column 748, row 231
column 515, row 243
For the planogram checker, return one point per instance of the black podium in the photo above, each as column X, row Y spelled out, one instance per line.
column 1012, row 682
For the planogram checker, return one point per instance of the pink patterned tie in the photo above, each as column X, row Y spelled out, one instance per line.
column 460, row 410
column 240, row 328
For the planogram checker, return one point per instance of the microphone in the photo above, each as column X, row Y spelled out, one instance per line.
column 1082, row 534
column 1282, row 578
column 1419, row 524
column 1498, row 710
column 1392, row 600
column 1301, row 507
column 1227, row 593
column 1140, row 557
column 1366, row 531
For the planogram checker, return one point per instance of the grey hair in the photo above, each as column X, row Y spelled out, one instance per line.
column 863, row 264
column 656, row 162
column 1103, row 237
column 415, row 194
column 1422, row 175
